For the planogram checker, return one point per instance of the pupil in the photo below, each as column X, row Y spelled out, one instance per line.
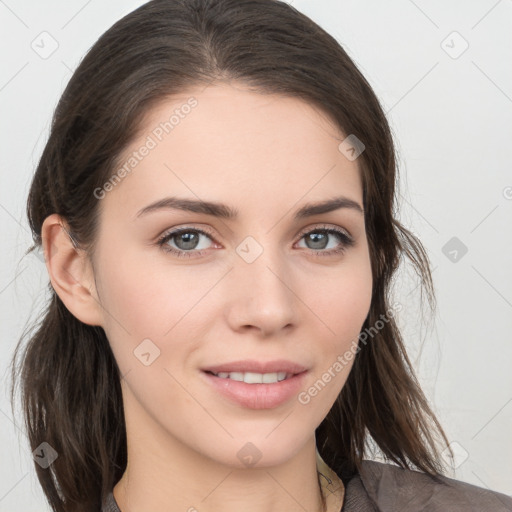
column 318, row 238
column 190, row 240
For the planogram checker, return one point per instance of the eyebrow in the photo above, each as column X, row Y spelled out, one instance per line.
column 225, row 212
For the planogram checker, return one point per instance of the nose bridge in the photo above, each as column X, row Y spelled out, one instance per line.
column 261, row 291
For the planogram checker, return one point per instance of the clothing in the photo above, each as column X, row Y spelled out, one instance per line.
column 381, row 487
column 331, row 485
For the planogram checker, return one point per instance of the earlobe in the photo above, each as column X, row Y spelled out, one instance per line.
column 70, row 271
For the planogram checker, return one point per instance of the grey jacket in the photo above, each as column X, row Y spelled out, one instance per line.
column 381, row 487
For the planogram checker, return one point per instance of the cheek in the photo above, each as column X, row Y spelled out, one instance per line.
column 342, row 303
column 342, row 307
column 164, row 303
column 144, row 294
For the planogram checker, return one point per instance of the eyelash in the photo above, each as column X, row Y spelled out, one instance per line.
column 346, row 241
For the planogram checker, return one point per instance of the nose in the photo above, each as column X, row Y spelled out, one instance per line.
column 261, row 296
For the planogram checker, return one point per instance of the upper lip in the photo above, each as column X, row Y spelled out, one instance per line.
column 251, row 365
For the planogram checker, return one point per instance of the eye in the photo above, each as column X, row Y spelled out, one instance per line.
column 187, row 241
column 318, row 238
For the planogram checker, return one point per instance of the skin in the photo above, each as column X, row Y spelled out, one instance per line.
column 265, row 155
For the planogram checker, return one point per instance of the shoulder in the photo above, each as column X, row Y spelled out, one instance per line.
column 386, row 487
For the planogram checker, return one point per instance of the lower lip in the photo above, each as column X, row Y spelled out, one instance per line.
column 258, row 396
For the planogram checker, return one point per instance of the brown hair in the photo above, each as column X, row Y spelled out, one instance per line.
column 71, row 391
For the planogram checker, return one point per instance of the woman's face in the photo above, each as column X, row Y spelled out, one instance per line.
column 264, row 284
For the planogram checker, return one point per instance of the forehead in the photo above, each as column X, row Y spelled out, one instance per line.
column 240, row 147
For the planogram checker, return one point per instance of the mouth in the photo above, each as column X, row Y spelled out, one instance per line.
column 254, row 377
column 253, row 370
column 256, row 385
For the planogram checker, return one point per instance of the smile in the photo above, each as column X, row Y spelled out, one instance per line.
column 254, row 378
column 256, row 390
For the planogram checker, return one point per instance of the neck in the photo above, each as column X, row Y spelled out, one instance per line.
column 209, row 487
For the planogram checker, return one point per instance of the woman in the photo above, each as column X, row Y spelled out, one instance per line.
column 216, row 207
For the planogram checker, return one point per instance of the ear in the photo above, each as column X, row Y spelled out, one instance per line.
column 70, row 271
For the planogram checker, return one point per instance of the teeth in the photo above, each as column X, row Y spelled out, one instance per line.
column 254, row 378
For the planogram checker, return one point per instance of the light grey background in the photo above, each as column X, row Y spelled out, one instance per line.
column 451, row 114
